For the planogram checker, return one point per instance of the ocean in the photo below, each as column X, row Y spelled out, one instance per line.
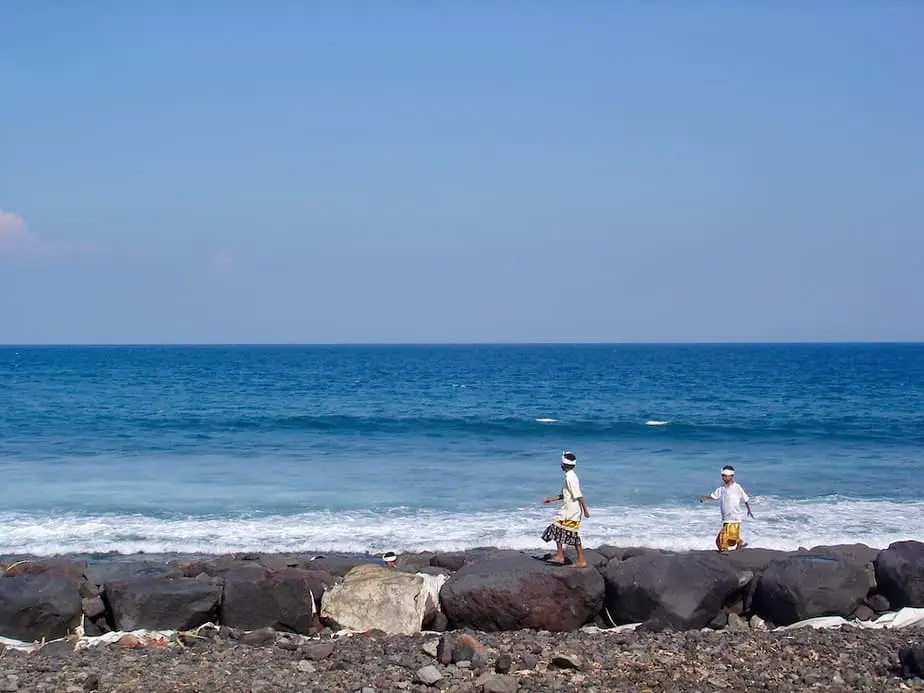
column 366, row 448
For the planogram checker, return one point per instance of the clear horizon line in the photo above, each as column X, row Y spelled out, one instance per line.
column 25, row 345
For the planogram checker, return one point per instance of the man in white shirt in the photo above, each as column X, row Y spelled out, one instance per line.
column 567, row 522
column 731, row 497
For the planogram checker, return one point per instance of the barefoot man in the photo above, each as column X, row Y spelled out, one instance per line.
column 565, row 526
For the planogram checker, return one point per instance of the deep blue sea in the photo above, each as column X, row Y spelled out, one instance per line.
column 290, row 448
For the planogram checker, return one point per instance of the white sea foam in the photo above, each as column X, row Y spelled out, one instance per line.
column 655, row 422
column 780, row 524
column 546, row 420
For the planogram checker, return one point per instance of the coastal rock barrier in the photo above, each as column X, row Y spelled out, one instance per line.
column 486, row 590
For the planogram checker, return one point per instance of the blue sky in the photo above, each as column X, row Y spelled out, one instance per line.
column 175, row 172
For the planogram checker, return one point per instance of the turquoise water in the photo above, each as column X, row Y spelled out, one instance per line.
column 355, row 448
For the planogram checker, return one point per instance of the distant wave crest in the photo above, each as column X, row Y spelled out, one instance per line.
column 515, row 427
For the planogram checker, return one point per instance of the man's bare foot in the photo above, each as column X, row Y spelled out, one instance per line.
column 578, row 565
column 555, row 561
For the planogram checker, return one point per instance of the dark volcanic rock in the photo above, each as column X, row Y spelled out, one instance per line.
column 755, row 560
column 610, row 552
column 337, row 566
column 807, row 586
column 32, row 608
column 856, row 554
column 900, row 574
column 878, row 603
column 105, row 572
column 71, row 570
column 255, row 597
column 93, row 607
column 515, row 591
column 669, row 590
column 162, row 603
column 912, row 661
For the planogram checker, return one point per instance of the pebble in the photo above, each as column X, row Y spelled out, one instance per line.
column 305, row 667
column 429, row 675
column 567, row 661
column 431, row 647
column 318, row 651
column 499, row 684
column 504, row 664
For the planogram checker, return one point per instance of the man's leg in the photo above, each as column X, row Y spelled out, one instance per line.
column 579, row 547
column 559, row 556
column 720, row 540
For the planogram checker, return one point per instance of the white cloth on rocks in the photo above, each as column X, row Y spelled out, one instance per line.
column 375, row 598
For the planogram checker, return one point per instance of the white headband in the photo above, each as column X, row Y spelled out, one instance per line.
column 565, row 460
column 390, row 556
column 728, row 472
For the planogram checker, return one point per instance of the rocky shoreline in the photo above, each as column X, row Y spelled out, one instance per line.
column 805, row 659
column 481, row 620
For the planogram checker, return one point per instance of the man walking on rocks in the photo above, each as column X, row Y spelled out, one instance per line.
column 565, row 526
column 730, row 496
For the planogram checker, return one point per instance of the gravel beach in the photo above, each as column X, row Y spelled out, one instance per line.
column 805, row 659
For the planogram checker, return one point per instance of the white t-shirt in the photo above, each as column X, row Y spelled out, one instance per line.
column 570, row 508
column 730, row 497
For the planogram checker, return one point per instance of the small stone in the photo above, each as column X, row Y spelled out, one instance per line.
column 530, row 661
column 468, row 649
column 91, row 683
column 403, row 685
column 9, row 684
column 499, row 684
column 317, row 651
column 878, row 603
column 737, row 623
column 305, row 667
column 837, row 680
column 567, row 661
column 445, row 647
column 287, row 644
column 757, row 623
column 367, row 689
column 429, row 675
column 439, row 623
column 431, row 647
column 578, row 679
column 464, row 664
column 504, row 664
column 93, row 607
column 259, row 638
column 260, row 686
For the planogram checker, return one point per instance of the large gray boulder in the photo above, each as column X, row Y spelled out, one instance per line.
column 36, row 607
column 670, row 591
column 900, row 574
column 162, row 603
column 256, row 597
column 807, row 586
column 514, row 591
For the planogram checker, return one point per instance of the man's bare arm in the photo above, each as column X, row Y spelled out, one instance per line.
column 584, row 506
